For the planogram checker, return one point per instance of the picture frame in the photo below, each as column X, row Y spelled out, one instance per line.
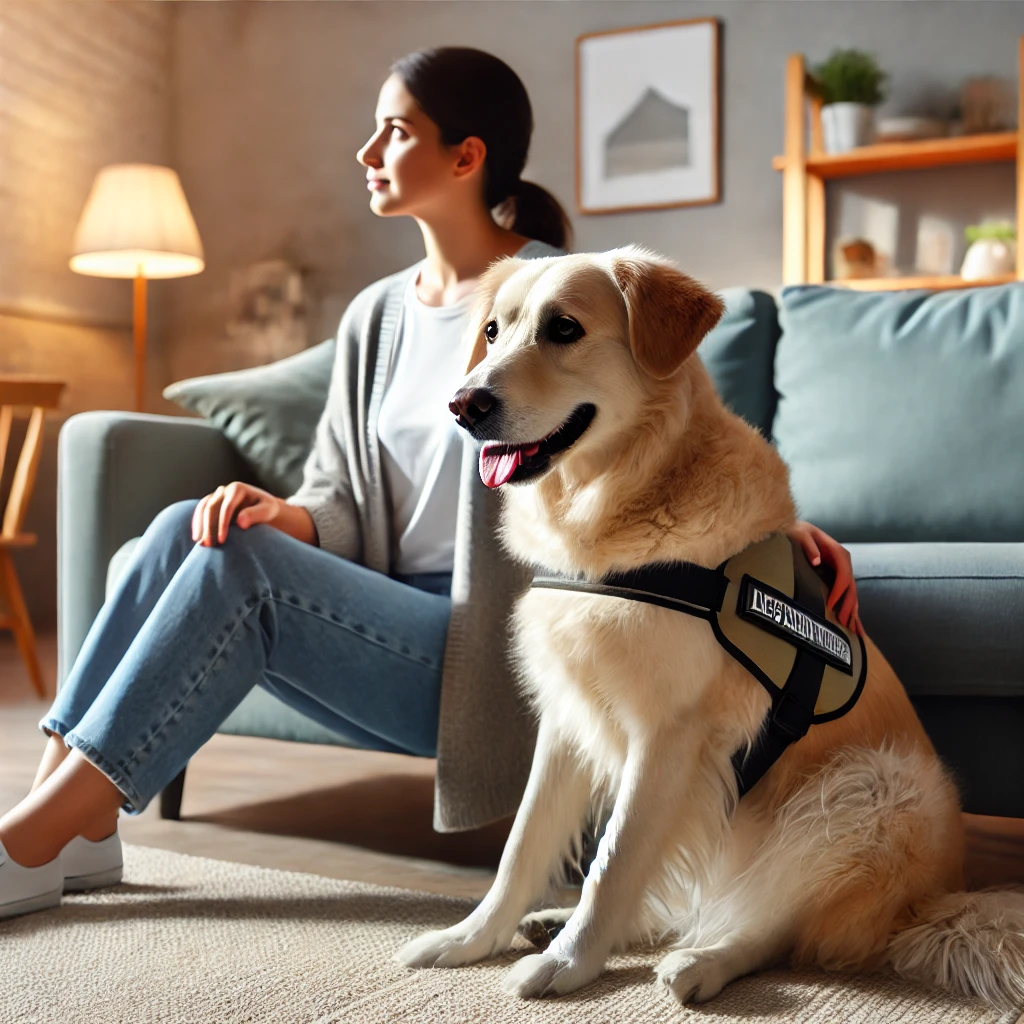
column 647, row 117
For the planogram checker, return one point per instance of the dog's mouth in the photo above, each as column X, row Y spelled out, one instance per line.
column 514, row 463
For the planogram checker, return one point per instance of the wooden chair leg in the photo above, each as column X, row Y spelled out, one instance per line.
column 170, row 797
column 20, row 623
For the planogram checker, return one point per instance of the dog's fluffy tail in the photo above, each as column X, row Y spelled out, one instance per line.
column 968, row 943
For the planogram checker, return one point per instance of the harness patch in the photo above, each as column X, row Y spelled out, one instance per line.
column 767, row 607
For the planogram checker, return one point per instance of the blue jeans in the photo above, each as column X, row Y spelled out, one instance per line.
column 190, row 630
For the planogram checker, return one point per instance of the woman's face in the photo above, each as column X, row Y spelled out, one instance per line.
column 409, row 169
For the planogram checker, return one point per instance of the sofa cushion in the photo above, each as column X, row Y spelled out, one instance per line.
column 946, row 616
column 900, row 413
column 740, row 353
column 268, row 412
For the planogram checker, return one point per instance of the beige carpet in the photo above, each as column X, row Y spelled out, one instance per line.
column 191, row 940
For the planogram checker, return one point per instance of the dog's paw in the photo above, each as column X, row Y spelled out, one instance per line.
column 450, row 947
column 541, row 974
column 693, row 975
column 540, row 927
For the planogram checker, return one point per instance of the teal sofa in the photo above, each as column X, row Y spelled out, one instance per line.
column 900, row 415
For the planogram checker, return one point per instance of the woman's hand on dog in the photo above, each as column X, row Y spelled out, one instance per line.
column 247, row 506
column 818, row 545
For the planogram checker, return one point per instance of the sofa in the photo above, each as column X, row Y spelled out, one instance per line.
column 899, row 414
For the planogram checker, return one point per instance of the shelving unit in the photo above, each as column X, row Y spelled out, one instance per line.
column 805, row 169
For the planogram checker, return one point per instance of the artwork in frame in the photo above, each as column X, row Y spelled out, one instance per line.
column 647, row 117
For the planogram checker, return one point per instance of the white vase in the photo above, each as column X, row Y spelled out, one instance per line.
column 988, row 257
column 847, row 126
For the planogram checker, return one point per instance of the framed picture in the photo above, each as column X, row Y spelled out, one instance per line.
column 647, row 117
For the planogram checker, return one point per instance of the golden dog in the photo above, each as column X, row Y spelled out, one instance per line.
column 613, row 450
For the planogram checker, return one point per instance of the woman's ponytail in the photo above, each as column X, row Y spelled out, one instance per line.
column 534, row 212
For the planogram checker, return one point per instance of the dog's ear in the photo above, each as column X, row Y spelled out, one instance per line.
column 669, row 313
column 490, row 281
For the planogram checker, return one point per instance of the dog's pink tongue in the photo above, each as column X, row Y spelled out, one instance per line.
column 496, row 467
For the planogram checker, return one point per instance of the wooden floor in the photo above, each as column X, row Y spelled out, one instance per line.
column 341, row 813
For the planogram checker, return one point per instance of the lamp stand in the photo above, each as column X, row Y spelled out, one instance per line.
column 139, row 333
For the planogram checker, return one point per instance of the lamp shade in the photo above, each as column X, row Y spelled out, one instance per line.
column 136, row 222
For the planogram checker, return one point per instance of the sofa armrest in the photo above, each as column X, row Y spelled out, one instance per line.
column 116, row 471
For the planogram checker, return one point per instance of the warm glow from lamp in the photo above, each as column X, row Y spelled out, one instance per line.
column 137, row 224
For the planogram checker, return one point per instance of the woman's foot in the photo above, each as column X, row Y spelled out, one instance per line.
column 24, row 890
column 91, row 865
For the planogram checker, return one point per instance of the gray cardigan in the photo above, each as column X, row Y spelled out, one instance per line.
column 486, row 732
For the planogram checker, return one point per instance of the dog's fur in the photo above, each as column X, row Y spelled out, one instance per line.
column 849, row 852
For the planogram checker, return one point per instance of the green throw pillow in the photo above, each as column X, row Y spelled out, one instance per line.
column 269, row 413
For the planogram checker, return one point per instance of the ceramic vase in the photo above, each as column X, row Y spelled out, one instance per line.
column 988, row 257
column 846, row 126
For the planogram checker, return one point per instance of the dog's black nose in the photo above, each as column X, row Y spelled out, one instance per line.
column 471, row 405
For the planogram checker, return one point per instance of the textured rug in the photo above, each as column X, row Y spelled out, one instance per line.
column 198, row 941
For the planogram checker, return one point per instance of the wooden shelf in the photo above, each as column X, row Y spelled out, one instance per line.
column 806, row 169
column 934, row 284
column 906, row 156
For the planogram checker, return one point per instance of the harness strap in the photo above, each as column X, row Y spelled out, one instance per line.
column 793, row 706
column 696, row 590
column 682, row 586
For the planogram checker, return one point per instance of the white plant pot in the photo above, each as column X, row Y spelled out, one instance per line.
column 988, row 257
column 847, row 126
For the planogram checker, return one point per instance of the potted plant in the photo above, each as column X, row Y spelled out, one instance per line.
column 850, row 84
column 991, row 251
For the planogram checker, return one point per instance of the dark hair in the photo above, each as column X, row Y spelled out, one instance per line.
column 468, row 92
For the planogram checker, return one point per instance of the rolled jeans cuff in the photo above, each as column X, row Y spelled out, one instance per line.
column 133, row 803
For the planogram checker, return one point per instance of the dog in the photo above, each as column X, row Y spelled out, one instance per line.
column 612, row 450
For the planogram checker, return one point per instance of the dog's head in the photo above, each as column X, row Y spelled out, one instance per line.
column 567, row 350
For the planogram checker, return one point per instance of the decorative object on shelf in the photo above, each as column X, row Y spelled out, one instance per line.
column 137, row 224
column 857, row 258
column 908, row 129
column 647, row 117
column 988, row 105
column 992, row 250
column 850, row 85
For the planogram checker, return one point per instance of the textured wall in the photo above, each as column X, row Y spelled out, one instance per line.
column 271, row 102
column 82, row 84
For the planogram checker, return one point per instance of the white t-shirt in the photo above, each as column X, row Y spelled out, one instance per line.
column 421, row 444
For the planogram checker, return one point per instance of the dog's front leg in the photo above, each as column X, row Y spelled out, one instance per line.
column 646, row 820
column 550, row 816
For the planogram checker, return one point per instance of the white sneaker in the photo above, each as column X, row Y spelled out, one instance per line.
column 23, row 890
column 89, row 865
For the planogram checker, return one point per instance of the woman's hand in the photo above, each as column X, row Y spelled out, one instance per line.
column 214, row 513
column 817, row 544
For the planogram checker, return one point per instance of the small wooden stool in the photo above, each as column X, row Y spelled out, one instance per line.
column 37, row 394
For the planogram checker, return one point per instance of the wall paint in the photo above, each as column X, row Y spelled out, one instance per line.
column 81, row 85
column 271, row 102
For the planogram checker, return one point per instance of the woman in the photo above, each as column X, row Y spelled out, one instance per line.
column 356, row 600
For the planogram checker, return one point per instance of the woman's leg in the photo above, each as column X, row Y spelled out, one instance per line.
column 154, row 562
column 157, row 557
column 357, row 651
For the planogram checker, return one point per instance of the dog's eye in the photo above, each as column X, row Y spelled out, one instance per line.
column 563, row 329
column 491, row 330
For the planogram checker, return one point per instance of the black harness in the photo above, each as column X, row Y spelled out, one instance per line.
column 773, row 621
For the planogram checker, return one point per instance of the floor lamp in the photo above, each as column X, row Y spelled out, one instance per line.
column 136, row 224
